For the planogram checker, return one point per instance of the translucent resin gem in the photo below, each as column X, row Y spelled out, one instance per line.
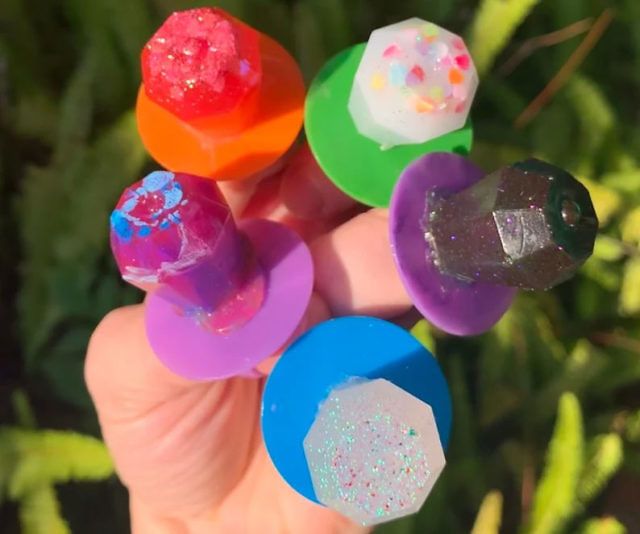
column 529, row 225
column 201, row 62
column 174, row 234
column 373, row 452
column 416, row 82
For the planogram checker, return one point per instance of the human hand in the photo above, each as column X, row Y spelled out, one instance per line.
column 191, row 453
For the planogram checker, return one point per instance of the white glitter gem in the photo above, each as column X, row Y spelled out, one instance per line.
column 373, row 451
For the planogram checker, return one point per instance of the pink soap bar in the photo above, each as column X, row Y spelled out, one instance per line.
column 174, row 234
column 201, row 62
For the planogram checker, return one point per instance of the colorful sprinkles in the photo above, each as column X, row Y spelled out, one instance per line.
column 437, row 52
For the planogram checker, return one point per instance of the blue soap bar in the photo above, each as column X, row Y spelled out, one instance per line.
column 330, row 354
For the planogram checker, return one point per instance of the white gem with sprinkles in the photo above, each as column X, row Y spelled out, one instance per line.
column 373, row 451
column 416, row 81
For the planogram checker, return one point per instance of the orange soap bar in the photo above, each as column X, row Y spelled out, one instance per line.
column 233, row 144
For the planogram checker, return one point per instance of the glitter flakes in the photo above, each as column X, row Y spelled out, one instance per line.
column 201, row 62
column 392, row 51
column 415, row 76
column 397, row 74
column 439, row 51
column 456, row 77
column 424, row 105
column 378, row 81
column 463, row 61
column 412, row 57
column 373, row 451
column 430, row 31
column 458, row 43
column 508, row 229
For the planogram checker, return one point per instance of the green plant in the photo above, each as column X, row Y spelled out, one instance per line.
column 68, row 144
column 33, row 461
column 569, row 481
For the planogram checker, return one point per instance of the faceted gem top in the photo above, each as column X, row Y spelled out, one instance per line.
column 201, row 62
column 165, row 224
column 373, row 451
column 416, row 81
column 174, row 234
column 529, row 225
column 569, row 210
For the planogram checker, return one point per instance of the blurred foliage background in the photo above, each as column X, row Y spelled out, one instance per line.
column 547, row 404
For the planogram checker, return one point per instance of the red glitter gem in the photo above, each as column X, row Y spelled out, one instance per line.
column 201, row 62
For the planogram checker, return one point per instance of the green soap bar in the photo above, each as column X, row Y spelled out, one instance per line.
column 356, row 164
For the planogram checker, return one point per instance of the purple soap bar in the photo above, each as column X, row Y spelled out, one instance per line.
column 196, row 353
column 174, row 234
column 453, row 305
column 222, row 298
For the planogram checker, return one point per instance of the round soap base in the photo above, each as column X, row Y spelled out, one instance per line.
column 194, row 353
column 357, row 164
column 190, row 147
column 328, row 355
column 455, row 306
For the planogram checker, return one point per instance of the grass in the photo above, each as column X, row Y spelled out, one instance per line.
column 546, row 404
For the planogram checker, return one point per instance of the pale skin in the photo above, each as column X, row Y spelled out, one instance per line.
column 191, row 453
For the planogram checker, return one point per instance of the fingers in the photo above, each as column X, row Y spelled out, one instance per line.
column 267, row 203
column 277, row 508
column 307, row 192
column 262, row 502
column 123, row 375
column 182, row 447
column 355, row 272
column 354, row 269
column 179, row 446
column 238, row 193
column 302, row 197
